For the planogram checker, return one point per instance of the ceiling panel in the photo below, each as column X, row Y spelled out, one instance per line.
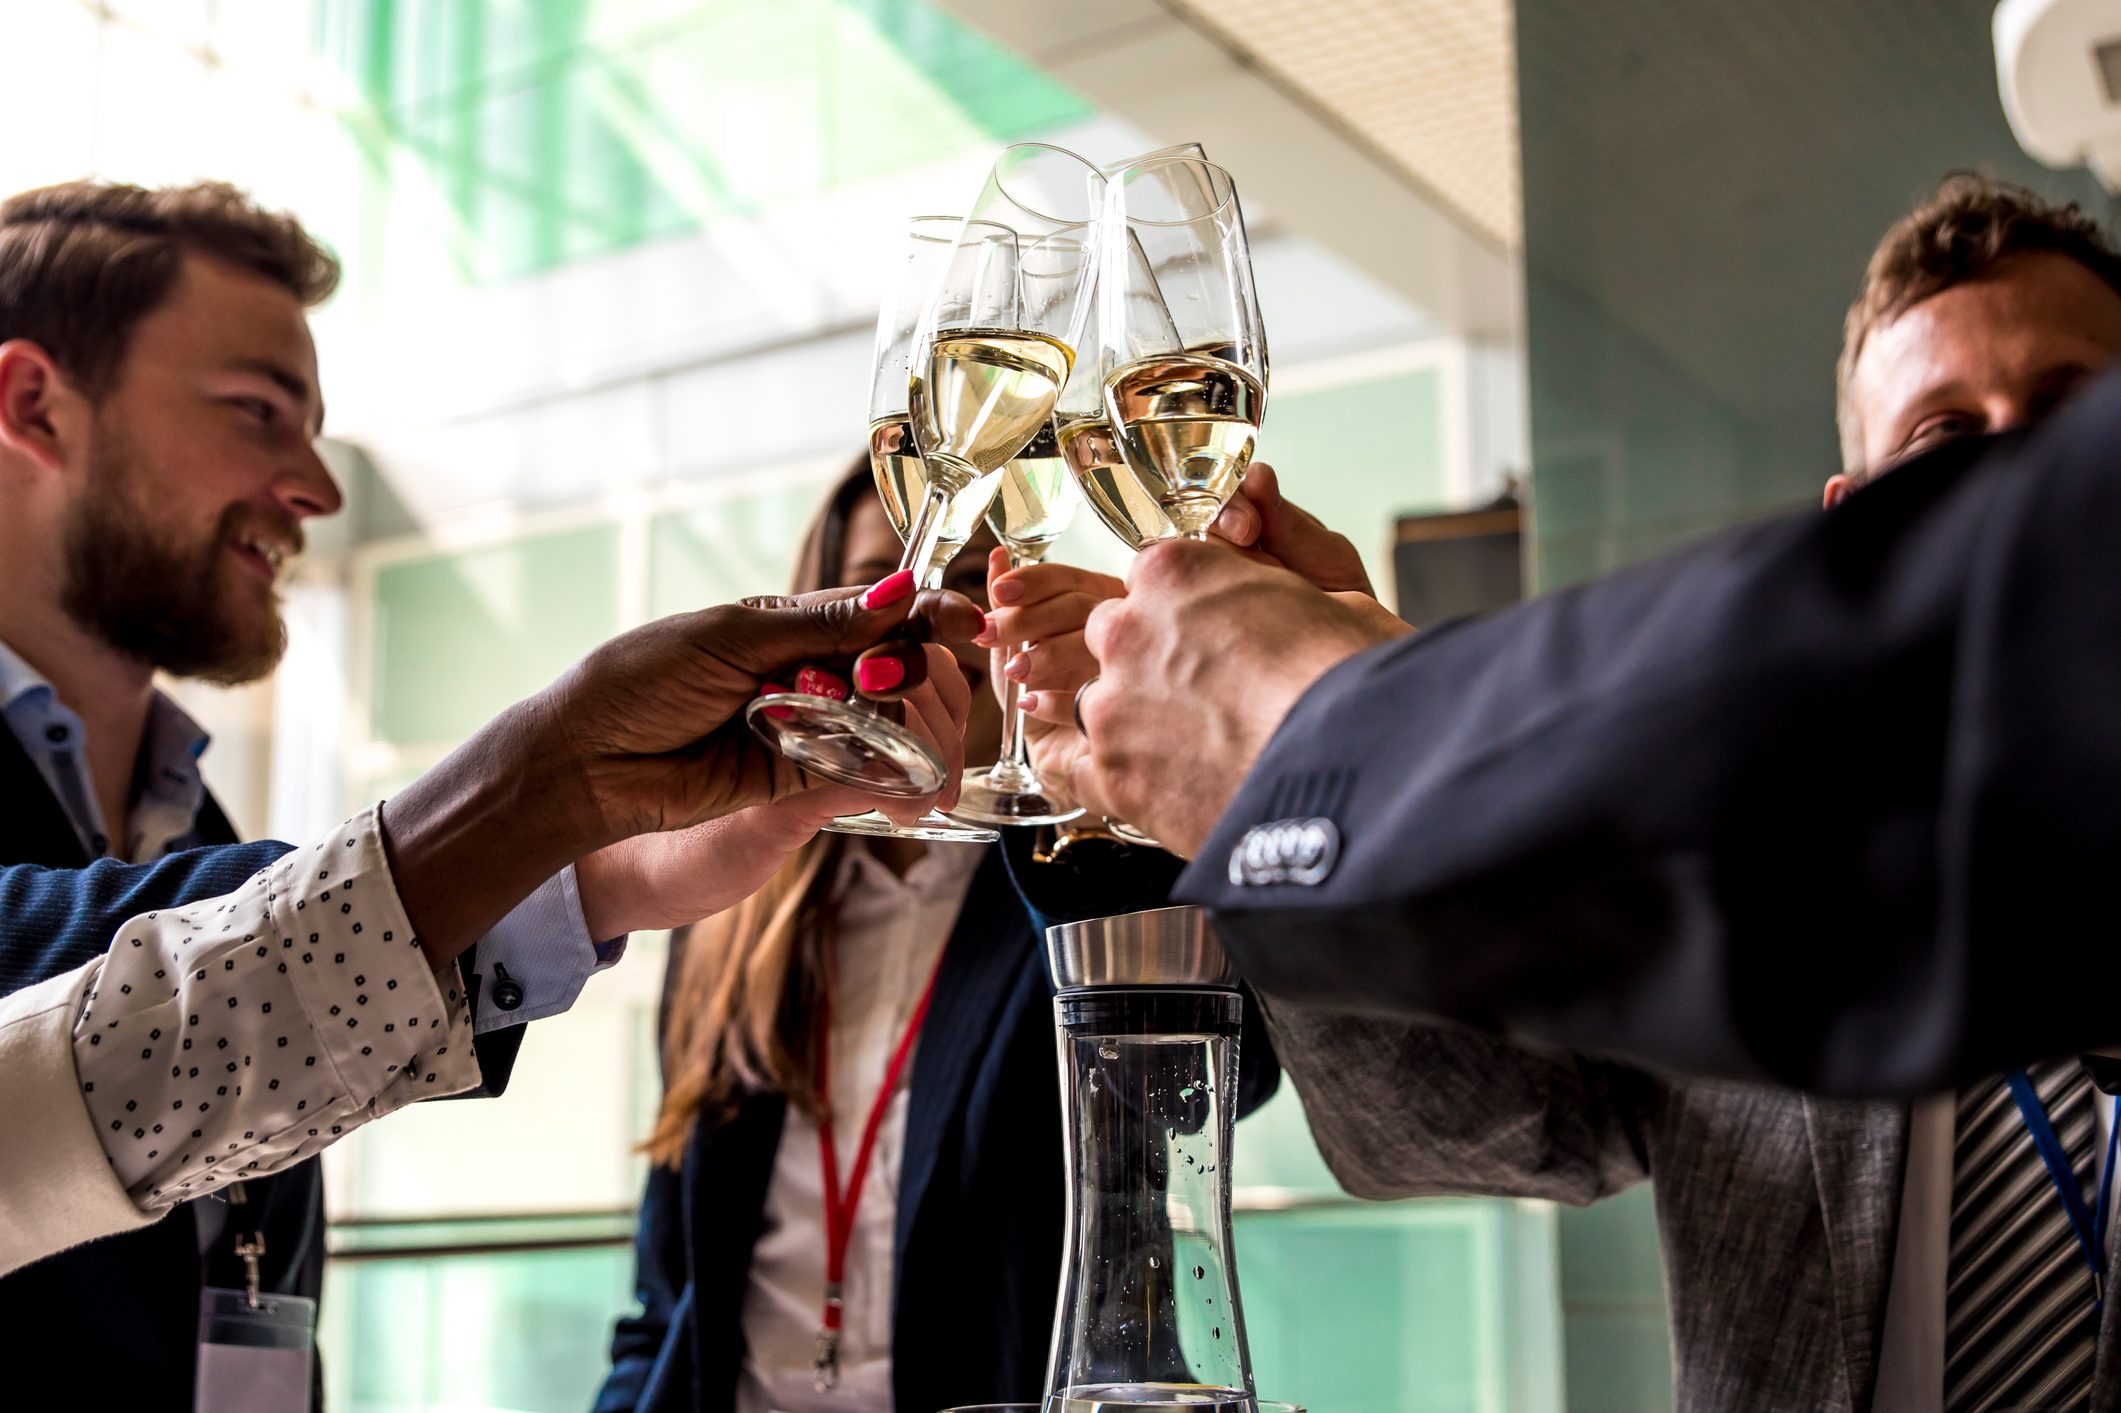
column 1429, row 85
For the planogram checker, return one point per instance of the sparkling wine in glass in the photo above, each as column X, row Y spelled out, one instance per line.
column 850, row 741
column 1182, row 351
column 986, row 360
column 901, row 474
column 1034, row 505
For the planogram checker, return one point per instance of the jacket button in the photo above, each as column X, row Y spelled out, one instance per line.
column 507, row 991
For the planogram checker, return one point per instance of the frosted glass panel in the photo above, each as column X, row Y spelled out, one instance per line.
column 459, row 636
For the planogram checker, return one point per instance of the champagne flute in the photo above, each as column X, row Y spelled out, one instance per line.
column 983, row 367
column 1034, row 505
column 1182, row 351
column 901, row 475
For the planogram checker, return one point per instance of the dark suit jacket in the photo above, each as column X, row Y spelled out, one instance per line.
column 127, row 1307
column 981, row 1200
column 1781, row 806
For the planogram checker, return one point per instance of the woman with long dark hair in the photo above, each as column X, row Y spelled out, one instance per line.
column 859, row 1074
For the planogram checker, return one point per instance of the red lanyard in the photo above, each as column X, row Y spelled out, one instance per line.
column 840, row 1204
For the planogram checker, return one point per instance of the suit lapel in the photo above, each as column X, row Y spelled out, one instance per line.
column 727, row 1170
column 980, row 967
column 1859, row 1158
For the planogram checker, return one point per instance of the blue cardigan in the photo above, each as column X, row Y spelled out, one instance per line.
column 981, row 1211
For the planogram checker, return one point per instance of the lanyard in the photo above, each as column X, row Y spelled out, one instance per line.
column 840, row 1204
column 2090, row 1230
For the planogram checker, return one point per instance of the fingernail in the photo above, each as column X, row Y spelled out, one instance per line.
column 879, row 674
column 887, row 592
column 775, row 689
column 1028, row 701
column 1008, row 590
column 985, row 637
column 816, row 682
column 1017, row 668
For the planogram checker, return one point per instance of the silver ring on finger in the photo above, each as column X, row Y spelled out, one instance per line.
column 1078, row 705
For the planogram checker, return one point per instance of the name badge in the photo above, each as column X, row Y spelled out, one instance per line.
column 254, row 1352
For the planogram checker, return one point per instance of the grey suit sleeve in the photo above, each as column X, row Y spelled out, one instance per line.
column 1783, row 806
column 1430, row 1109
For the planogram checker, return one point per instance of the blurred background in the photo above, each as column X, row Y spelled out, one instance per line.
column 612, row 270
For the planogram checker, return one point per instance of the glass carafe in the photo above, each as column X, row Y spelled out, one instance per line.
column 1149, row 1314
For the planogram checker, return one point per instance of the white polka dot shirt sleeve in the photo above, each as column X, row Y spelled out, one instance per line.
column 238, row 1036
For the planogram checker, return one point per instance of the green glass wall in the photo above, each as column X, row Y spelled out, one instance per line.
column 562, row 129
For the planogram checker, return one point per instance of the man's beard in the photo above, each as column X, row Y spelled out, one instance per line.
column 158, row 601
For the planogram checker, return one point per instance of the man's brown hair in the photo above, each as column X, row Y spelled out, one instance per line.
column 83, row 262
column 1956, row 237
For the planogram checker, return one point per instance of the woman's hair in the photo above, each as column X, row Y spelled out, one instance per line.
column 745, row 984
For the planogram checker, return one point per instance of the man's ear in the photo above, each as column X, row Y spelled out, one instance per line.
column 39, row 409
column 1838, row 489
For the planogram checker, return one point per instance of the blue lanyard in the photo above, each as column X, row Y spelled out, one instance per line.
column 2090, row 1230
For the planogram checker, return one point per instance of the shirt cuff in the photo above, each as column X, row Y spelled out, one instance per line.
column 535, row 961
column 237, row 1036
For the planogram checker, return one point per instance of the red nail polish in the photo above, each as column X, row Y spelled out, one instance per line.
column 816, row 682
column 879, row 674
column 985, row 637
column 775, row 689
column 889, row 591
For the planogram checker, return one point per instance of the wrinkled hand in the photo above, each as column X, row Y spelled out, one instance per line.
column 1283, row 533
column 653, row 720
column 1197, row 666
column 1036, row 627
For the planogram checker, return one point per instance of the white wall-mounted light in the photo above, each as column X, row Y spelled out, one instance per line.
column 2058, row 68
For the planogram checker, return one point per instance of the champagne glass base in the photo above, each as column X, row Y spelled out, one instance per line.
column 850, row 745
column 992, row 796
column 933, row 827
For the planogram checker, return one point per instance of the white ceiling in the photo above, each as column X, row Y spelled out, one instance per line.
column 1382, row 130
column 1430, row 85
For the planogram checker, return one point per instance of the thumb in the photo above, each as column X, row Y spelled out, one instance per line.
column 764, row 636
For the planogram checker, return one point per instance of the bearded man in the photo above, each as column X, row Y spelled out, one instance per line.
column 159, row 405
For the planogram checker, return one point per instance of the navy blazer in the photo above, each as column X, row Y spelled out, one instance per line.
column 981, row 1202
column 127, row 1307
column 1787, row 805
column 123, row 1312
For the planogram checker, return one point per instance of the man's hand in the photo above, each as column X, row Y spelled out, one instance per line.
column 1197, row 666
column 1258, row 519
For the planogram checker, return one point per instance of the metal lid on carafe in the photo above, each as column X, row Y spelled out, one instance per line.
column 1160, row 947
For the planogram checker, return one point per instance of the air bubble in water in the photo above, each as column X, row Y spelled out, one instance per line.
column 1217, row 1331
column 1106, row 1050
column 1152, row 1263
column 1200, row 1273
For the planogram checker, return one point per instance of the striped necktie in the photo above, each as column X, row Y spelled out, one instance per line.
column 2019, row 1332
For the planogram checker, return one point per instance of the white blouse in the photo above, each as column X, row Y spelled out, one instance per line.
column 890, row 933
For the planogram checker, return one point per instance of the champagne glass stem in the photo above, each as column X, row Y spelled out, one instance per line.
column 1015, row 762
column 926, row 531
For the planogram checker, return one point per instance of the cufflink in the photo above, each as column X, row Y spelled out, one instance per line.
column 1299, row 851
column 507, row 991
